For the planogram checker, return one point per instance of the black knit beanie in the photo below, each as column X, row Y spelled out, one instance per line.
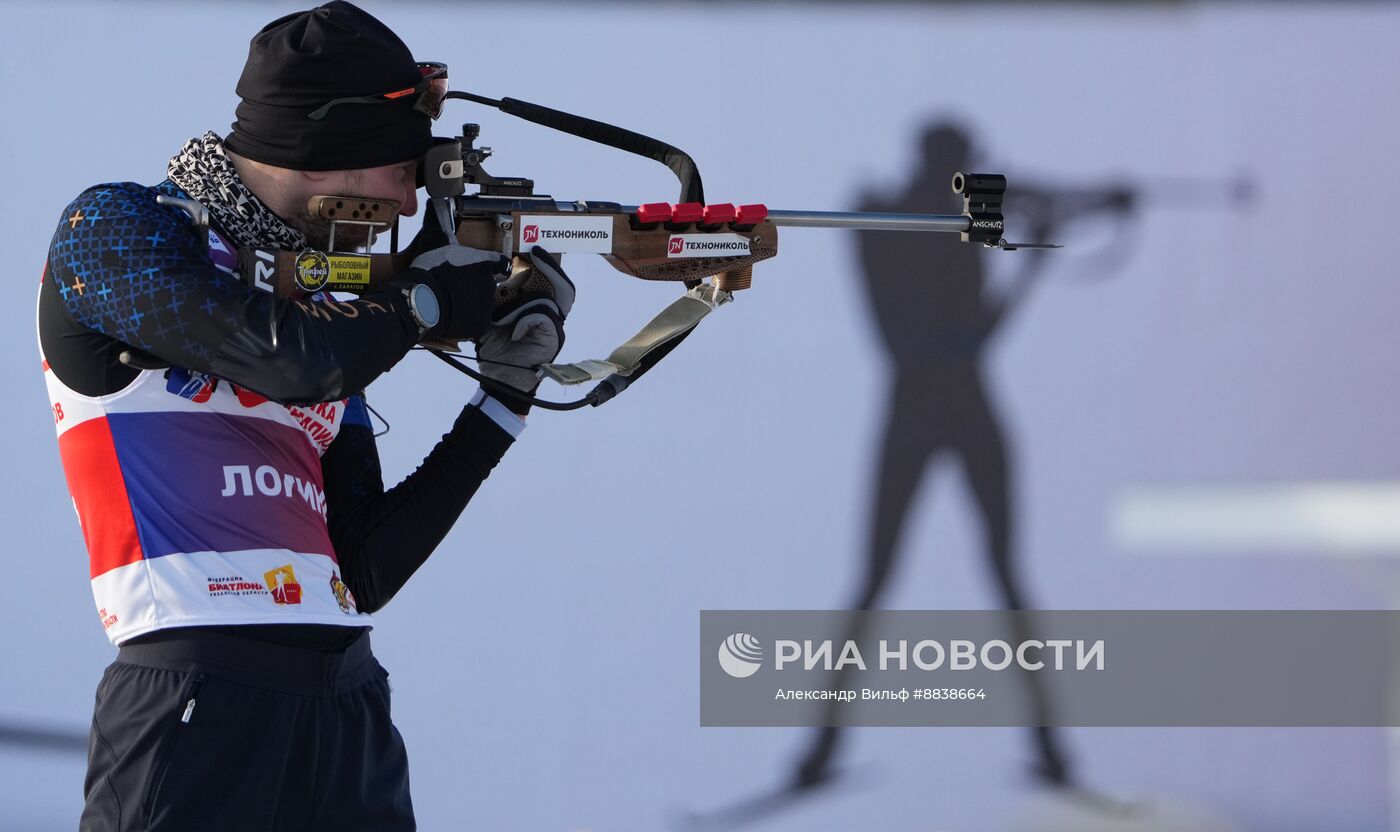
column 298, row 63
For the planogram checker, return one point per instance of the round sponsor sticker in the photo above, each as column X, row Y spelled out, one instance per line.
column 313, row 270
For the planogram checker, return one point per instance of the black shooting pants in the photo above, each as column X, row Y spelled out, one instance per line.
column 208, row 731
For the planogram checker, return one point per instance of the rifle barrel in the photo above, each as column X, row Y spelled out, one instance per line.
column 870, row 221
column 860, row 220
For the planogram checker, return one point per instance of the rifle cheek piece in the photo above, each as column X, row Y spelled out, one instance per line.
column 982, row 194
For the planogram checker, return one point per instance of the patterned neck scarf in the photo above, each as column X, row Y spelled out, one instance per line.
column 202, row 170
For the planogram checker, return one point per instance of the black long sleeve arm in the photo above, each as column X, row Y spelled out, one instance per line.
column 382, row 537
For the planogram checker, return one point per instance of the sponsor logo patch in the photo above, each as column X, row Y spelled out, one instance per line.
column 221, row 585
column 264, row 265
column 708, row 245
column 318, row 421
column 317, row 270
column 313, row 270
column 342, row 594
column 187, row 384
column 248, row 398
column 282, row 583
column 564, row 233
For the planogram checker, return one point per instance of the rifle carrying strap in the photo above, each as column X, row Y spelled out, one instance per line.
column 655, row 339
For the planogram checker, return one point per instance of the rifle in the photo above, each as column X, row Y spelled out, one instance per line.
column 709, row 248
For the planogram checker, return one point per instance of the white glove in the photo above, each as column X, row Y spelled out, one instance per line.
column 527, row 329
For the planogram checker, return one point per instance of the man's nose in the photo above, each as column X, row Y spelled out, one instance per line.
column 410, row 202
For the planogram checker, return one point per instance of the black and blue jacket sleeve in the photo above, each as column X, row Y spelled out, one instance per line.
column 138, row 273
